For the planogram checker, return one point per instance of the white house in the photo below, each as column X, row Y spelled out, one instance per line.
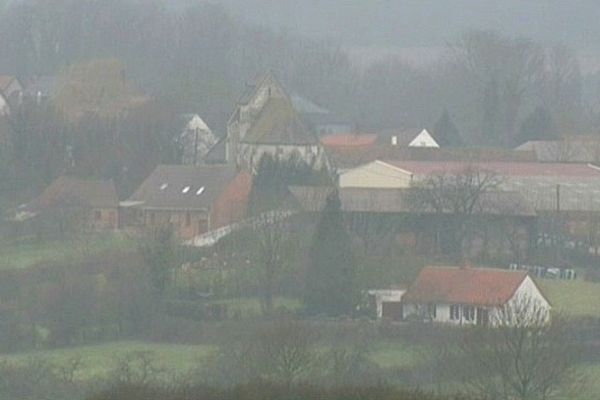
column 196, row 139
column 408, row 138
column 474, row 296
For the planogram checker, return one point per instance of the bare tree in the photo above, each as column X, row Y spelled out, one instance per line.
column 288, row 350
column 456, row 195
column 272, row 233
column 282, row 351
column 504, row 70
column 524, row 355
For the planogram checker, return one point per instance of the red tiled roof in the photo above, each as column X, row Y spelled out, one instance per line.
column 500, row 168
column 349, row 140
column 232, row 205
column 471, row 286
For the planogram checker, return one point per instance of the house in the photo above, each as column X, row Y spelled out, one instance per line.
column 266, row 122
column 195, row 140
column 474, row 296
column 92, row 204
column 408, row 138
column 192, row 199
column 41, row 88
column 10, row 87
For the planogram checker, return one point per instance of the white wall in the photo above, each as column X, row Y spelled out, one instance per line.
column 249, row 155
column 424, row 139
column 527, row 296
column 376, row 174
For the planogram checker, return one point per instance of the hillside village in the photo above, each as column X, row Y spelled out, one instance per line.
column 293, row 222
column 400, row 187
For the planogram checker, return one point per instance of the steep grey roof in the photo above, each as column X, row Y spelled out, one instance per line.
column 218, row 153
column 183, row 186
column 369, row 200
column 279, row 123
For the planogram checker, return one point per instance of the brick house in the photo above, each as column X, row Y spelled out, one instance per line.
column 92, row 204
column 192, row 199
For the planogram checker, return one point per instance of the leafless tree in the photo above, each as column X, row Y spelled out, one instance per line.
column 272, row 234
column 456, row 195
column 525, row 355
column 504, row 70
column 288, row 350
column 281, row 351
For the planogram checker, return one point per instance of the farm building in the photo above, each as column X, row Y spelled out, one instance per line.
column 192, row 199
column 507, row 221
column 474, row 296
column 90, row 204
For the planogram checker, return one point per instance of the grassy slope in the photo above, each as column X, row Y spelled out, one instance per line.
column 99, row 360
column 573, row 298
column 27, row 254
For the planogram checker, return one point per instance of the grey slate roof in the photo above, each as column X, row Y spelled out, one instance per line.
column 369, row 200
column 183, row 187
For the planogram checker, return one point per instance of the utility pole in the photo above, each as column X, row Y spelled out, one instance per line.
column 558, row 228
column 195, row 146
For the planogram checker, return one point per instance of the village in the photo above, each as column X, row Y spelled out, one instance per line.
column 221, row 207
column 503, row 209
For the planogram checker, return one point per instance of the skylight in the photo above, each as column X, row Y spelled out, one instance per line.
column 200, row 191
column 185, row 189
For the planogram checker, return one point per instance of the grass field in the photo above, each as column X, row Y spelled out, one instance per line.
column 573, row 298
column 99, row 360
column 28, row 253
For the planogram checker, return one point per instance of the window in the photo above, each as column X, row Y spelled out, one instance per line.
column 432, row 311
column 454, row 312
column 469, row 313
column 97, row 215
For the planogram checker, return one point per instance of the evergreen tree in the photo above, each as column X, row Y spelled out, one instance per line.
column 330, row 287
column 446, row 133
column 539, row 125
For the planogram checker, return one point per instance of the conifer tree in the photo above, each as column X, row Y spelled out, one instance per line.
column 446, row 133
column 330, row 287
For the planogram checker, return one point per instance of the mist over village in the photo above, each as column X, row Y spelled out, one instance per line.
column 336, row 200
